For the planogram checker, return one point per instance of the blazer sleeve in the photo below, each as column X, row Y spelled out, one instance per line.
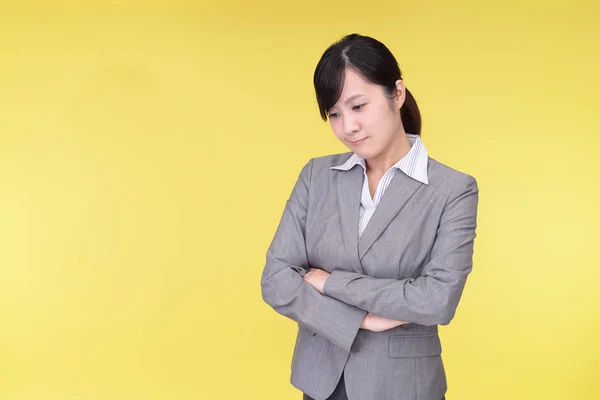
column 433, row 297
column 282, row 283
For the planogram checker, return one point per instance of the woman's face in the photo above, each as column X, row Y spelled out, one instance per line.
column 364, row 119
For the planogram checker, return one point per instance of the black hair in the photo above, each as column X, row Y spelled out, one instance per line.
column 374, row 62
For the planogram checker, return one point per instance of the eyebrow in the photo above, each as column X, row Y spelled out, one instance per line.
column 349, row 99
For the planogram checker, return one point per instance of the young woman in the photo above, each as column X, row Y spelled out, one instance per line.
column 374, row 246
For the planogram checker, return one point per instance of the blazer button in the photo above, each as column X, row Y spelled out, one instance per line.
column 355, row 349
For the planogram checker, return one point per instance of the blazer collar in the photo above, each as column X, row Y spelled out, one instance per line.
column 349, row 185
column 401, row 188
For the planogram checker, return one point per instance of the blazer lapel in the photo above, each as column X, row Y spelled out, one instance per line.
column 400, row 190
column 349, row 189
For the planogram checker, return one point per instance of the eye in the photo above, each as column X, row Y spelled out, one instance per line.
column 359, row 107
column 333, row 115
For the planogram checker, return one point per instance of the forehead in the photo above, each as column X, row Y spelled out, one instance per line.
column 355, row 84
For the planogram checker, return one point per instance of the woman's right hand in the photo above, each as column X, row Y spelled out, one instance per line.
column 375, row 323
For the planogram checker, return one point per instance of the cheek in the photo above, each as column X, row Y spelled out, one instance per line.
column 337, row 129
column 373, row 123
column 383, row 124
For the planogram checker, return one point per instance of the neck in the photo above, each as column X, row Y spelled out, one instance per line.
column 381, row 163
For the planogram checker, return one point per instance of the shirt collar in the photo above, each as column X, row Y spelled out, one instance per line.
column 413, row 164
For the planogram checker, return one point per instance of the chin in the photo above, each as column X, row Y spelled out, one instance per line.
column 364, row 153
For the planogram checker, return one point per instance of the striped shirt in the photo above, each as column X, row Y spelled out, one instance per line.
column 413, row 164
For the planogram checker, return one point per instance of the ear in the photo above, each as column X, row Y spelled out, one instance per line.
column 400, row 94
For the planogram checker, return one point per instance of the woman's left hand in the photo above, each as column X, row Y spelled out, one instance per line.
column 316, row 277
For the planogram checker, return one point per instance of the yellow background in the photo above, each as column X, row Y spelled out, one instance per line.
column 147, row 150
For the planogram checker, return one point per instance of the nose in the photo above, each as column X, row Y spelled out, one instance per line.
column 350, row 126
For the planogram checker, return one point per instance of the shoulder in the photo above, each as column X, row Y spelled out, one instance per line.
column 437, row 171
column 451, row 180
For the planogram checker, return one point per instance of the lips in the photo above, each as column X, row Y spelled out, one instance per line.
column 357, row 142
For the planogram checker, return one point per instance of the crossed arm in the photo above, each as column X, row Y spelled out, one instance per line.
column 350, row 300
column 372, row 322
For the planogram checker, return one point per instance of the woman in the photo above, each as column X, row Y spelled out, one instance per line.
column 374, row 246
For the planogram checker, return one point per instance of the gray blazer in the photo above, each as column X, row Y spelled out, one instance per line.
column 411, row 264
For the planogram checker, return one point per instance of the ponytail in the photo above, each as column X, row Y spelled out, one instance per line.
column 410, row 115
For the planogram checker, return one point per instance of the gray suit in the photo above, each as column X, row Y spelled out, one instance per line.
column 411, row 264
